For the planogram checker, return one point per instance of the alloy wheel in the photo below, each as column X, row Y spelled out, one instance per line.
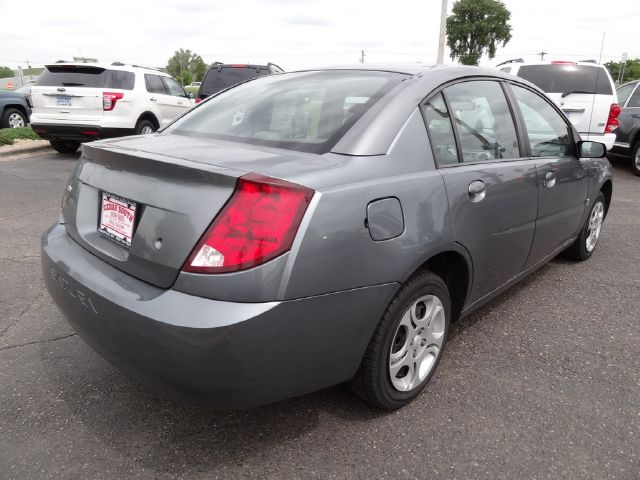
column 595, row 225
column 417, row 343
column 16, row 120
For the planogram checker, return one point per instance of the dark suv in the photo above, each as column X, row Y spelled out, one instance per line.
column 221, row 76
column 628, row 133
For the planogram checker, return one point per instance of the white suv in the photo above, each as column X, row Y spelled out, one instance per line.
column 81, row 102
column 583, row 90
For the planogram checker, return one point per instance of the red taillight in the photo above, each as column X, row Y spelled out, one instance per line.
column 258, row 223
column 109, row 100
column 562, row 62
column 198, row 99
column 612, row 121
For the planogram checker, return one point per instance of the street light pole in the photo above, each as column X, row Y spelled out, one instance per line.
column 443, row 30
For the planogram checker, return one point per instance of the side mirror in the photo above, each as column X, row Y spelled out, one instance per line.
column 591, row 150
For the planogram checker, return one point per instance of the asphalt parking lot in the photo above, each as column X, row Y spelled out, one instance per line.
column 544, row 382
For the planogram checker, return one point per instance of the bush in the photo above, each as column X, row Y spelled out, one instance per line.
column 8, row 135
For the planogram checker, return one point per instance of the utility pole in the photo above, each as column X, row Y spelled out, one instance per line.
column 542, row 54
column 361, row 56
column 30, row 72
column 443, row 31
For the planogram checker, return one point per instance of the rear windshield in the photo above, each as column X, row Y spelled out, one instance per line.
column 217, row 80
column 567, row 78
column 306, row 111
column 81, row 76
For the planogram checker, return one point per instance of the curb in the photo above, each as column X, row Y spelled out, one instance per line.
column 25, row 149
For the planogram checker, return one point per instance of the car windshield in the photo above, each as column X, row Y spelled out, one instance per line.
column 305, row 111
column 567, row 78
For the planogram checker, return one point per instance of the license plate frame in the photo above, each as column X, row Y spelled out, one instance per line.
column 63, row 101
column 118, row 218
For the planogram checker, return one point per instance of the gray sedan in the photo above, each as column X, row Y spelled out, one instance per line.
column 307, row 229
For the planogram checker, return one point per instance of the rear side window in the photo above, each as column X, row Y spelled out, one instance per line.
column 120, row 80
column 217, row 80
column 154, row 84
column 483, row 120
column 440, row 131
column 549, row 135
column 72, row 76
column 567, row 78
column 634, row 101
column 306, row 111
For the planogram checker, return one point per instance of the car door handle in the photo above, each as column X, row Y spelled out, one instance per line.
column 153, row 99
column 179, row 102
column 477, row 191
column 549, row 179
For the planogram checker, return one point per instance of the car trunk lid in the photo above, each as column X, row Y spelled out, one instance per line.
column 176, row 197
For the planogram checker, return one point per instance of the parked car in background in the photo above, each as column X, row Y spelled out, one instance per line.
column 583, row 90
column 14, row 110
column 195, row 84
column 312, row 228
column 221, row 76
column 82, row 102
column 628, row 133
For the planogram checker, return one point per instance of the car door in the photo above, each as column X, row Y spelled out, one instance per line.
column 490, row 184
column 159, row 96
column 562, row 176
column 180, row 101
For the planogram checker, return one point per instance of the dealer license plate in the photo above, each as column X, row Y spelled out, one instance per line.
column 117, row 218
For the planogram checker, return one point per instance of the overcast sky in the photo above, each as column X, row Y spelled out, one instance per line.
column 298, row 33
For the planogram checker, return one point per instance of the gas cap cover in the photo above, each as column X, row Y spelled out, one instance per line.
column 385, row 219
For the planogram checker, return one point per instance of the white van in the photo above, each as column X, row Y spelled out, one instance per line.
column 583, row 90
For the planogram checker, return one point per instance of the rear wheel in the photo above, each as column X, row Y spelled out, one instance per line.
column 407, row 344
column 635, row 159
column 64, row 146
column 13, row 118
column 145, row 127
column 585, row 244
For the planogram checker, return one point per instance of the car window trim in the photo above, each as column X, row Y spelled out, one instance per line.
column 441, row 89
column 165, row 82
column 563, row 117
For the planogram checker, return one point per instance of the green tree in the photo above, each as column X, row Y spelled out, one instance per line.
column 477, row 27
column 6, row 72
column 631, row 70
column 186, row 66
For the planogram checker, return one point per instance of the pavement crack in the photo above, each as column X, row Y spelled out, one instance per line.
column 48, row 340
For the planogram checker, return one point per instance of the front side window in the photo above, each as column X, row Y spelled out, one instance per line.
column 483, row 120
column 624, row 92
column 440, row 131
column 306, row 111
column 549, row 135
column 154, row 84
column 173, row 88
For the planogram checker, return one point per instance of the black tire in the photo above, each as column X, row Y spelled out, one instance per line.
column 635, row 159
column 373, row 381
column 13, row 118
column 145, row 124
column 578, row 249
column 64, row 146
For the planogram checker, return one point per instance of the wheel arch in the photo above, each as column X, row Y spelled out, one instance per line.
column 607, row 191
column 455, row 267
column 149, row 116
column 17, row 106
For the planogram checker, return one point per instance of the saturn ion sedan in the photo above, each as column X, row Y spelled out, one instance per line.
column 318, row 227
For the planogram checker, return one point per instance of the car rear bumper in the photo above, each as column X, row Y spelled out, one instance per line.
column 79, row 133
column 230, row 355
column 607, row 138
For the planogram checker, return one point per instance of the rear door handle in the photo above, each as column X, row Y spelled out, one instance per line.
column 153, row 99
column 477, row 191
column 179, row 102
column 549, row 179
